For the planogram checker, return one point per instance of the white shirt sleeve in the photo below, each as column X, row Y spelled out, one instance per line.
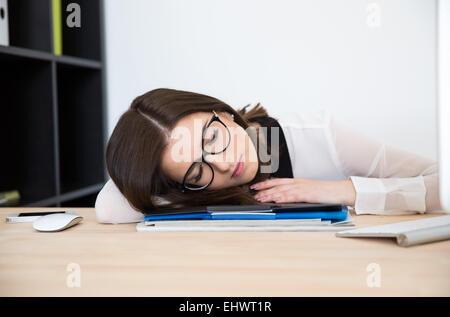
column 387, row 180
column 112, row 207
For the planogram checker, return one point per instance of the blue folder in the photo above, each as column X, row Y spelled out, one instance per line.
column 266, row 215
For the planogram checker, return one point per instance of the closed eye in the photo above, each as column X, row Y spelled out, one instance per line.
column 199, row 176
column 213, row 139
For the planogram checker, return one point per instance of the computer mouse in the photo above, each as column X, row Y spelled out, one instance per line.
column 56, row 222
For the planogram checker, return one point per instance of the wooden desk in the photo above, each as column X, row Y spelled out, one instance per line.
column 117, row 260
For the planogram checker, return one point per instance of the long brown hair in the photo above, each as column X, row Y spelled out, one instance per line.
column 134, row 150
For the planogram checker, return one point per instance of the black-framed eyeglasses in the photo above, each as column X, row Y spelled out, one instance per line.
column 215, row 139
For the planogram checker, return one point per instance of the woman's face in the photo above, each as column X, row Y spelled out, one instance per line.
column 185, row 147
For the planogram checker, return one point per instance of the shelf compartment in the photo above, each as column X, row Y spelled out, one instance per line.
column 52, row 201
column 30, row 24
column 82, row 41
column 80, row 126
column 84, row 201
column 81, row 192
column 27, row 127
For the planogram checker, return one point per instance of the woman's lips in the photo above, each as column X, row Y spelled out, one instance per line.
column 239, row 168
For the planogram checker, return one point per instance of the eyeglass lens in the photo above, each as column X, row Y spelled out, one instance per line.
column 215, row 140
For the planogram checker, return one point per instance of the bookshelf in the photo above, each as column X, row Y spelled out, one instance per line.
column 53, row 110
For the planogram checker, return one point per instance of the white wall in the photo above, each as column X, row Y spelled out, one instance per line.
column 288, row 55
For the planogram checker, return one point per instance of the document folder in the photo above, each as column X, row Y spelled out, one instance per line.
column 267, row 212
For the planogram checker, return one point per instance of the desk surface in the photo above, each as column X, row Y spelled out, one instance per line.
column 115, row 260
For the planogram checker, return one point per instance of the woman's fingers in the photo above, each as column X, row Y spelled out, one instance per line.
column 288, row 190
column 272, row 182
column 273, row 190
column 287, row 196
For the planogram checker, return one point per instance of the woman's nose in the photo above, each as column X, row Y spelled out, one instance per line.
column 219, row 163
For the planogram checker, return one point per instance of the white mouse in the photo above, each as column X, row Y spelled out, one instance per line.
column 56, row 222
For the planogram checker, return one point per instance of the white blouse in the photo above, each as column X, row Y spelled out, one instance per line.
column 387, row 180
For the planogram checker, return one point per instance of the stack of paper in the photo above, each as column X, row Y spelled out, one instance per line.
column 272, row 217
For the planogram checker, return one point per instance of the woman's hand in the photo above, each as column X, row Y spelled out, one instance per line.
column 290, row 190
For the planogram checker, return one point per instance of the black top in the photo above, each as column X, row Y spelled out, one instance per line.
column 285, row 167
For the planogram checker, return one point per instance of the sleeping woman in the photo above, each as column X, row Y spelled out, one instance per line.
column 176, row 148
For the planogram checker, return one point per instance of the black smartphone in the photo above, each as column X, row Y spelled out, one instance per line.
column 33, row 215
